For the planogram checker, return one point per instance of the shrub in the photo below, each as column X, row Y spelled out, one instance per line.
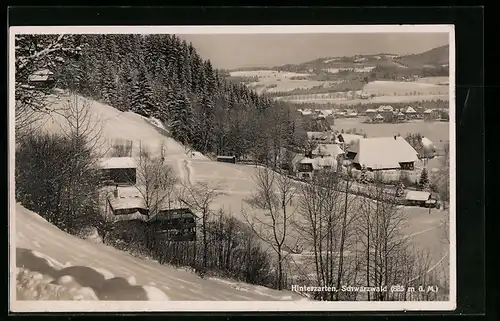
column 57, row 178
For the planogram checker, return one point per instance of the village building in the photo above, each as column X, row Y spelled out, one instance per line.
column 382, row 153
column 431, row 114
column 306, row 167
column 410, row 112
column 420, row 198
column 370, row 113
column 401, row 116
column 42, row 79
column 118, row 170
column 378, row 119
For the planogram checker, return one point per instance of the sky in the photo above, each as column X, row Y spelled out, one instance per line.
column 231, row 51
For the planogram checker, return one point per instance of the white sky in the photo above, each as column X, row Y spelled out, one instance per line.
column 231, row 51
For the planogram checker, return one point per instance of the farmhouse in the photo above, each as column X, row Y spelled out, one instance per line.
column 306, row 167
column 119, row 170
column 382, row 153
column 42, row 78
column 401, row 116
column 420, row 198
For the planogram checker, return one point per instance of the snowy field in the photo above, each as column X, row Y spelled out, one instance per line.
column 96, row 271
column 401, row 88
column 438, row 80
column 437, row 132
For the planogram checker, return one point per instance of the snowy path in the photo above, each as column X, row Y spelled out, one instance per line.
column 112, row 274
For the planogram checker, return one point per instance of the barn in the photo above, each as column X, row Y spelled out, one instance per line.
column 119, row 170
column 382, row 153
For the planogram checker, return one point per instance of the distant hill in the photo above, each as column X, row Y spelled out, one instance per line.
column 436, row 57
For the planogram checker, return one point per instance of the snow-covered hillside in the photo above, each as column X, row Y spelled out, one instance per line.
column 52, row 264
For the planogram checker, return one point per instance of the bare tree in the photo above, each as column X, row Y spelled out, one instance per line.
column 271, row 219
column 155, row 182
column 200, row 197
column 379, row 230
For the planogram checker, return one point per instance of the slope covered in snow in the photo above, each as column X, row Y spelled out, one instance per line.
column 52, row 265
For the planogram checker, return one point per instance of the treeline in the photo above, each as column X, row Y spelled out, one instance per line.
column 396, row 73
column 361, row 107
column 163, row 76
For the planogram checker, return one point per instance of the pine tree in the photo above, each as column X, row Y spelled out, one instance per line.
column 423, row 182
column 143, row 101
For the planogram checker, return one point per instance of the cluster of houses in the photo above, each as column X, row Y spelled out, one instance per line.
column 334, row 150
column 124, row 202
column 389, row 114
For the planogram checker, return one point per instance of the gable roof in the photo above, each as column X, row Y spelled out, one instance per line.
column 383, row 152
column 410, row 110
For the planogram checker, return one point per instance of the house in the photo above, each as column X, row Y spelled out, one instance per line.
column 42, row 78
column 420, row 198
column 410, row 112
column 371, row 113
column 119, row 170
column 401, row 116
column 307, row 167
column 175, row 224
column 382, row 153
column 378, row 119
column 431, row 114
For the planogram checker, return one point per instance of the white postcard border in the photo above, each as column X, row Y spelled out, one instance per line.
column 228, row 306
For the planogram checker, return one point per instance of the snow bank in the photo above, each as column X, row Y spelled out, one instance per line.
column 35, row 286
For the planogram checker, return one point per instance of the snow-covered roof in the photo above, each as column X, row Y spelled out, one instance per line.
column 379, row 116
column 428, row 111
column 370, row 110
column 385, row 108
column 306, row 160
column 118, row 162
column 400, row 114
column 349, row 138
column 40, row 75
column 383, row 152
column 410, row 110
column 417, row 195
column 328, row 150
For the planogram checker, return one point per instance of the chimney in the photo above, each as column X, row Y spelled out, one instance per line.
column 115, row 192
